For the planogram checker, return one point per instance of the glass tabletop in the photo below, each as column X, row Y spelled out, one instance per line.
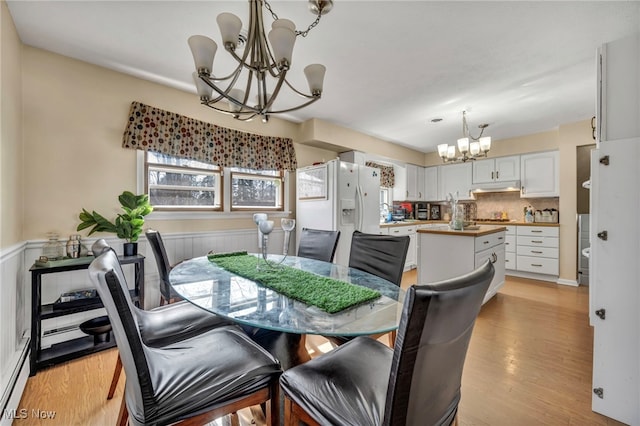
column 205, row 284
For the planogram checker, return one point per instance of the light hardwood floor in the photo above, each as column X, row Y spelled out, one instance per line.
column 529, row 363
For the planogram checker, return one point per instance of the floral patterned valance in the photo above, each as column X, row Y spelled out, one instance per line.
column 154, row 129
column 387, row 177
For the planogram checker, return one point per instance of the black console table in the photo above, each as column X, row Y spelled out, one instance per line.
column 75, row 348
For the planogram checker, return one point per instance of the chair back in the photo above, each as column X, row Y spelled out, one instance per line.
column 431, row 346
column 105, row 273
column 318, row 244
column 380, row 255
column 162, row 261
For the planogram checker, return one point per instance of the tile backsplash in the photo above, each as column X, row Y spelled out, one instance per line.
column 490, row 203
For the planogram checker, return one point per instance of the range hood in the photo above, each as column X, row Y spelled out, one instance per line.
column 506, row 186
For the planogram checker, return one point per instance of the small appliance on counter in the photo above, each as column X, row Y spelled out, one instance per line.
column 398, row 214
column 421, row 211
column 546, row 216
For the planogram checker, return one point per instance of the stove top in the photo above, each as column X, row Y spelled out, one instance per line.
column 492, row 220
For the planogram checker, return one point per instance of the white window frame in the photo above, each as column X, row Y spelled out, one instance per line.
column 226, row 213
column 257, row 176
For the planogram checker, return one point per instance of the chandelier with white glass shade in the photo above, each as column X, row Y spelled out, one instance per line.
column 263, row 61
column 469, row 147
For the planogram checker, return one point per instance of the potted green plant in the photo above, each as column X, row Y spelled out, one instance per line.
column 127, row 225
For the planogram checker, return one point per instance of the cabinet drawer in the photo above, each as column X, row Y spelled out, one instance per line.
column 537, row 241
column 486, row 241
column 538, row 231
column 539, row 265
column 551, row 252
column 402, row 230
column 510, row 260
column 512, row 229
column 510, row 244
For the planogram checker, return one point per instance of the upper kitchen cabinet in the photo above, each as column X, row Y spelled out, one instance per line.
column 456, row 178
column 409, row 183
column 496, row 170
column 431, row 184
column 618, row 89
column 539, row 175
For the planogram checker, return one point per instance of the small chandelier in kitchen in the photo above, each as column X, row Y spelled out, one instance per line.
column 470, row 148
column 261, row 71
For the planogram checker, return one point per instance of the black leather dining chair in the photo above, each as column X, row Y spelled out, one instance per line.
column 318, row 244
column 379, row 255
column 165, row 324
column 167, row 294
column 195, row 380
column 364, row 382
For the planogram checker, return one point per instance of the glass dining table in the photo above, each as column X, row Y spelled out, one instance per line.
column 279, row 322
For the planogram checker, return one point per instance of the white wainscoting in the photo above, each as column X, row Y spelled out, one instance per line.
column 14, row 327
column 15, row 303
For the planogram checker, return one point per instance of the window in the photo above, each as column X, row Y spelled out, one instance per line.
column 256, row 190
column 180, row 184
column 177, row 184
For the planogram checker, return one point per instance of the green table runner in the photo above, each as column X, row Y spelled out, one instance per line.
column 328, row 294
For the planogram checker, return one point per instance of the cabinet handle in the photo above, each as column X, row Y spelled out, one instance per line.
column 485, row 242
column 536, row 251
column 536, row 231
column 522, row 190
column 500, row 238
column 536, row 241
column 491, row 175
column 536, row 265
column 498, row 175
column 494, row 258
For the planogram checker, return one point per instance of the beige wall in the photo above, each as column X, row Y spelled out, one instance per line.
column 75, row 115
column 11, row 155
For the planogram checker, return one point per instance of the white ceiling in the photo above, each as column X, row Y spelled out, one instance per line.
column 392, row 66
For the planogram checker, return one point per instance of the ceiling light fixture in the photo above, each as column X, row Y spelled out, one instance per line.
column 470, row 148
column 262, row 67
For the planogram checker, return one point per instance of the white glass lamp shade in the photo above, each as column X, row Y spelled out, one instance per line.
column 266, row 226
column 282, row 40
column 485, row 143
column 315, row 77
column 203, row 50
column 230, row 26
column 284, row 23
column 474, row 148
column 463, row 145
column 451, row 152
column 204, row 91
column 238, row 95
column 442, row 150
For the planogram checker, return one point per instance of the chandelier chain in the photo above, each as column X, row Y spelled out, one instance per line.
column 298, row 33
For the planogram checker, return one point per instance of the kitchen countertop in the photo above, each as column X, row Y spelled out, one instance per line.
column 482, row 230
column 430, row 222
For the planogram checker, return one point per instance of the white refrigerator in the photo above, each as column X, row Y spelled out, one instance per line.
column 338, row 196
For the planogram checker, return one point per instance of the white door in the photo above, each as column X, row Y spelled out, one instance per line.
column 431, row 184
column 507, row 168
column 456, row 178
column 615, row 279
column 483, row 171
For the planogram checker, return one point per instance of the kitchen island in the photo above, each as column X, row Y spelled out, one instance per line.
column 444, row 253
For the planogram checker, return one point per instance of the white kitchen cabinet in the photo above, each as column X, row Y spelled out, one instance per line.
column 456, row 178
column 493, row 170
column 537, row 250
column 443, row 255
column 415, row 182
column 540, row 174
column 400, row 184
column 412, row 253
column 510, row 258
column 431, row 184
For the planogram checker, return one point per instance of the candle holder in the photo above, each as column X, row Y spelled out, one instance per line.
column 287, row 226
column 265, row 227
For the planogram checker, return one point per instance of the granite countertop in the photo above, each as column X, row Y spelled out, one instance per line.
column 480, row 231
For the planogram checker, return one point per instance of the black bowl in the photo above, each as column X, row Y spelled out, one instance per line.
column 98, row 327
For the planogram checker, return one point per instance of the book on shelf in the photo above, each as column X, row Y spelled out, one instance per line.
column 88, row 293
